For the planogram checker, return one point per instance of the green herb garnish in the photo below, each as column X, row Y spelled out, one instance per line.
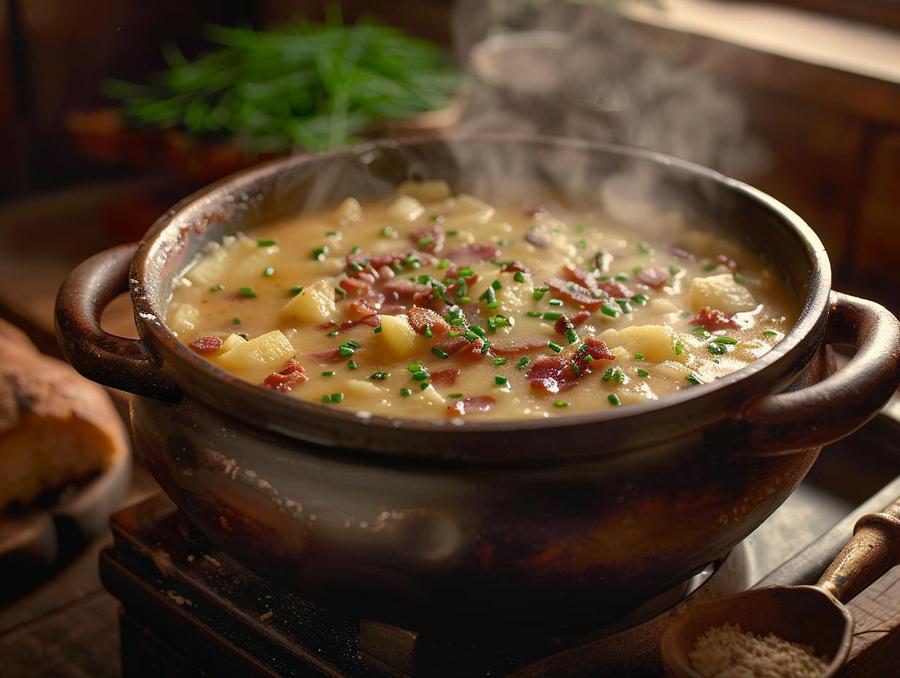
column 523, row 362
column 613, row 399
column 247, row 293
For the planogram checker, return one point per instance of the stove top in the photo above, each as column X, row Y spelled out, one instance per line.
column 189, row 609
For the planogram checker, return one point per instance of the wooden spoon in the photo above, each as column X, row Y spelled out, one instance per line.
column 808, row 615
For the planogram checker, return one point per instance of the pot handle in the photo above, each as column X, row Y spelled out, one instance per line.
column 110, row 360
column 841, row 403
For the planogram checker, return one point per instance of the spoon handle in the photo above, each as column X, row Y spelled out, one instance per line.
column 873, row 550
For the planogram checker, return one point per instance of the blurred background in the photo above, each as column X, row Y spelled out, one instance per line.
column 799, row 97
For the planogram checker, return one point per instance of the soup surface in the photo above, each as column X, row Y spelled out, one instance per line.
column 435, row 305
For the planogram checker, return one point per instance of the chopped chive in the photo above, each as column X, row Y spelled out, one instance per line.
column 405, row 392
column 678, row 346
column 552, row 315
column 553, row 346
column 518, row 276
column 443, row 264
column 354, row 249
column 345, row 351
column 466, row 272
column 644, row 247
column 534, row 314
column 636, row 270
column 613, row 399
column 356, row 267
column 496, row 284
column 379, row 376
column 560, row 404
column 333, row 333
column 674, row 270
column 571, row 337
column 624, row 305
column 420, row 376
column 388, row 232
column 414, row 367
column 710, row 266
column 693, row 380
column 425, row 242
column 493, row 305
column 555, row 302
column 452, row 233
column 428, row 332
column 725, row 340
column 539, row 293
column 499, row 361
column 485, row 347
column 700, row 332
column 377, row 330
column 614, row 374
column 740, row 278
column 326, row 398
column 352, row 364
column 320, row 253
column 217, row 287
column 685, row 314
column 340, row 291
column 606, row 309
column 266, row 243
column 423, row 385
column 641, row 372
column 235, row 321
column 523, row 361
column 455, row 395
column 770, row 333
column 640, row 299
column 500, row 380
column 638, row 356
column 440, row 353
column 330, row 234
column 247, row 292
column 328, row 373
column 716, row 349
column 477, row 330
column 295, row 290
column 622, row 277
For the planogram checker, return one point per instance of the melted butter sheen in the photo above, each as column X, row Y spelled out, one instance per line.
column 246, row 288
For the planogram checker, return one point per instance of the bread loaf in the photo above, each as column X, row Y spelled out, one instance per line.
column 56, row 427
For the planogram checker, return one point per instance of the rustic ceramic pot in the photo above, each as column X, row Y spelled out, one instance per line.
column 548, row 520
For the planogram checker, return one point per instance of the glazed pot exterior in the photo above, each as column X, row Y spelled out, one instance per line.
column 544, row 520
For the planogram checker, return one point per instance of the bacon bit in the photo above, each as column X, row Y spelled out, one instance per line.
column 206, row 345
column 371, row 320
column 574, row 293
column 518, row 346
column 452, row 345
column 575, row 320
column 471, row 352
column 372, row 263
column 332, row 355
column 727, row 262
column 613, row 288
column 407, row 290
column 420, row 318
column 292, row 375
column 447, row 377
column 471, row 254
column 359, row 309
column 557, row 373
column 393, row 309
column 534, row 210
column 515, row 267
column 386, row 272
column 356, row 286
column 682, row 253
column 655, row 276
column 712, row 319
column 471, row 405
column 433, row 231
column 537, row 240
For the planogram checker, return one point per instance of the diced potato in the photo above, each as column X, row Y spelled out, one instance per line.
column 209, row 270
column 315, row 304
column 257, row 358
column 658, row 305
column 479, row 209
column 670, row 369
column 397, row 335
column 406, row 208
column 656, row 342
column 183, row 317
column 430, row 395
column 721, row 292
column 425, row 191
column 365, row 389
column 750, row 350
column 233, row 341
column 349, row 210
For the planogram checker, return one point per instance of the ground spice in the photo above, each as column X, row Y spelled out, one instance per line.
column 728, row 651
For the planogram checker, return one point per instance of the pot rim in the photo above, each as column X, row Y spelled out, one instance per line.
column 190, row 214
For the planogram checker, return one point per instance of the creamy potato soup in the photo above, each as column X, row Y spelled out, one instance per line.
column 437, row 305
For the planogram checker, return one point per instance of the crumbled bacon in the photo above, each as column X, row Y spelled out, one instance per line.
column 517, row 345
column 727, row 262
column 471, row 405
column 206, row 345
column 558, row 373
column 654, row 276
column 360, row 263
column 472, row 351
column 446, row 377
column 429, row 239
column 682, row 253
column 356, row 286
column 515, row 267
column 400, row 289
column 574, row 293
column 420, row 318
column 471, row 254
column 536, row 239
column 359, row 309
column 534, row 210
column 575, row 320
column 613, row 288
column 712, row 319
column 451, row 345
column 290, row 376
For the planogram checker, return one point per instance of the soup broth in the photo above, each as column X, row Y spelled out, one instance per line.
column 430, row 305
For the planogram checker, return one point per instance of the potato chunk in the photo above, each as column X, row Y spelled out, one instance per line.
column 656, row 342
column 314, row 305
column 426, row 191
column 397, row 335
column 721, row 292
column 183, row 318
column 406, row 208
column 232, row 341
column 257, row 358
